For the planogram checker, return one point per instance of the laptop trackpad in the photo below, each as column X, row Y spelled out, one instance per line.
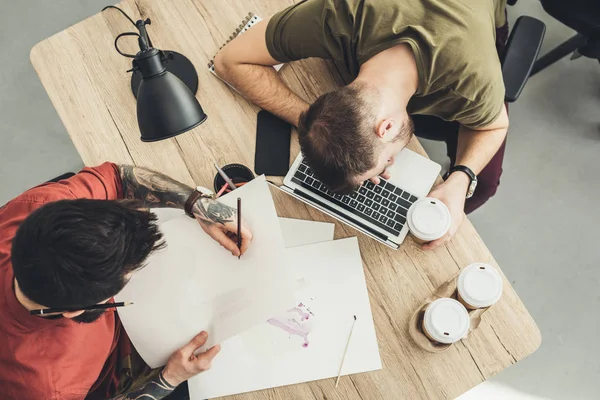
column 414, row 173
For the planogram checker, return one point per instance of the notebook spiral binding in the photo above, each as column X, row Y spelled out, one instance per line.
column 246, row 24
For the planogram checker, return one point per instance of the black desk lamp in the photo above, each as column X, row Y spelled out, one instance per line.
column 166, row 106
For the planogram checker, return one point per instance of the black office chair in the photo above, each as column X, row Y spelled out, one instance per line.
column 520, row 53
column 583, row 16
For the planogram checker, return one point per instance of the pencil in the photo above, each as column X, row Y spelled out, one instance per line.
column 103, row 306
column 225, row 177
column 239, row 225
column 337, row 381
column 221, row 191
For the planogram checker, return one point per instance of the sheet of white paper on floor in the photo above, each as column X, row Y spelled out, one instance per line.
column 331, row 290
column 299, row 232
column 194, row 284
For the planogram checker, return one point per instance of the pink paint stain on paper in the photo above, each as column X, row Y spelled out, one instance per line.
column 295, row 324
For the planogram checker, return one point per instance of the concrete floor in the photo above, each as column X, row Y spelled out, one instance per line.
column 542, row 226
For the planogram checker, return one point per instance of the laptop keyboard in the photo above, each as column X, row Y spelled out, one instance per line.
column 384, row 205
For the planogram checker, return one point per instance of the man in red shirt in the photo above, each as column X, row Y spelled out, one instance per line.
column 75, row 243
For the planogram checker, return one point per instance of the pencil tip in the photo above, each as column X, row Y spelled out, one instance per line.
column 355, row 317
column 128, row 304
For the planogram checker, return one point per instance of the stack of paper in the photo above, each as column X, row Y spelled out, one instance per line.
column 194, row 284
column 300, row 342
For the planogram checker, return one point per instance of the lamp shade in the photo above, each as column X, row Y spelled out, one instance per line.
column 166, row 107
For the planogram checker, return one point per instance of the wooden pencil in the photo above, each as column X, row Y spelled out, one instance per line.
column 337, row 381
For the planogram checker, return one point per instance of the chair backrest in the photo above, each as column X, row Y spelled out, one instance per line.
column 522, row 50
column 583, row 16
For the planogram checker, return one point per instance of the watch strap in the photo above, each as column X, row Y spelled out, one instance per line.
column 189, row 204
column 462, row 168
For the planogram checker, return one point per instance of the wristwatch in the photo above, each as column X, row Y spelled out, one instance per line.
column 198, row 193
column 469, row 173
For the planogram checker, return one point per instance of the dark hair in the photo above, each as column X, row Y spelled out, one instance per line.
column 336, row 136
column 75, row 253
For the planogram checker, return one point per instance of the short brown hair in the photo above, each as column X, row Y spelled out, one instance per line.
column 336, row 135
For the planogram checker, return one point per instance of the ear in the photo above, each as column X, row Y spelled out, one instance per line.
column 385, row 127
column 72, row 314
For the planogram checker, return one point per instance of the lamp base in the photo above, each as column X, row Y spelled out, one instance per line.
column 180, row 66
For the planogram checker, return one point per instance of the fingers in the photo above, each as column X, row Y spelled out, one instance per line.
column 375, row 180
column 221, row 237
column 386, row 174
column 194, row 344
column 436, row 243
column 211, row 353
column 203, row 361
column 246, row 238
column 231, row 229
column 226, row 234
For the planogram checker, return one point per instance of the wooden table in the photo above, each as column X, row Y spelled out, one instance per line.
column 87, row 83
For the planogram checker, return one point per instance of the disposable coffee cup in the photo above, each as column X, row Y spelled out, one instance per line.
column 428, row 219
column 446, row 321
column 479, row 286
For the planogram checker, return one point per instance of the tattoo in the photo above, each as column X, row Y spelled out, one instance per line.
column 157, row 190
column 152, row 188
column 214, row 212
column 156, row 389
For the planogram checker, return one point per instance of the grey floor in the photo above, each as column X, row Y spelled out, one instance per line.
column 542, row 226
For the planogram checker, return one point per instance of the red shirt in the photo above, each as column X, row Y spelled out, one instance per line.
column 43, row 359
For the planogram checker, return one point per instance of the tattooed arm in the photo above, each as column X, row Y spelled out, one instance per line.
column 182, row 365
column 156, row 389
column 154, row 189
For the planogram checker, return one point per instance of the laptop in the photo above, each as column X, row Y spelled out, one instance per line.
column 378, row 211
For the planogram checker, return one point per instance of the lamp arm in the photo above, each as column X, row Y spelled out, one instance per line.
column 144, row 39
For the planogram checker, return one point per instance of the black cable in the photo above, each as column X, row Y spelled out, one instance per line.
column 132, row 22
column 119, row 36
column 122, row 12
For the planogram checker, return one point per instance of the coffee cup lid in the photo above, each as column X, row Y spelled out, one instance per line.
column 428, row 219
column 446, row 320
column 480, row 285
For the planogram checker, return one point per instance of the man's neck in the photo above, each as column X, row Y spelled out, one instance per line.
column 394, row 73
column 21, row 298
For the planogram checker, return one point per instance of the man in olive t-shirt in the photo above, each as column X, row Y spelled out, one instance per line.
column 433, row 57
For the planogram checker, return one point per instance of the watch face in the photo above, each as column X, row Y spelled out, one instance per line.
column 204, row 191
column 472, row 187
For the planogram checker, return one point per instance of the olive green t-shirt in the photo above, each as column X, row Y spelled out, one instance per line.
column 453, row 41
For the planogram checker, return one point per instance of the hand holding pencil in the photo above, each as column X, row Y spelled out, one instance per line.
column 220, row 222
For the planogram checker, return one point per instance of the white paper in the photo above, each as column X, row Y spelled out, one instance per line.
column 164, row 215
column 194, row 284
column 332, row 289
column 298, row 232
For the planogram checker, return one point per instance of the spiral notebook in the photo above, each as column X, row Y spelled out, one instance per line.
column 247, row 23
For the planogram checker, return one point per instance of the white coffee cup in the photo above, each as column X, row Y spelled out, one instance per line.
column 446, row 321
column 428, row 219
column 479, row 286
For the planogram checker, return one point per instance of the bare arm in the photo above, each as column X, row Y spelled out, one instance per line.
column 247, row 65
column 154, row 189
column 475, row 150
column 477, row 147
